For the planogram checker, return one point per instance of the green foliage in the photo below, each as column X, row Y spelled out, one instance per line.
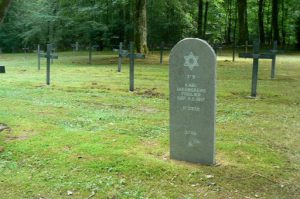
column 107, row 22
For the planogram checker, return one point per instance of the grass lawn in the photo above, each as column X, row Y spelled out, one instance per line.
column 86, row 136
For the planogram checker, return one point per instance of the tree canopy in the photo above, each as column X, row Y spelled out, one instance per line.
column 4, row 4
column 147, row 22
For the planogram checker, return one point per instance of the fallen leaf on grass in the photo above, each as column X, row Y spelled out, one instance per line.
column 209, row 176
column 70, row 193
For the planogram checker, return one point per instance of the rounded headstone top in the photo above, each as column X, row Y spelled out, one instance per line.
column 194, row 44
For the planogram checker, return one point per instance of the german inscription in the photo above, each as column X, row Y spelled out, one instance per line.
column 192, row 102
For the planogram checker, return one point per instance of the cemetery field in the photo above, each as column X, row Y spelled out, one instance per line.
column 86, row 136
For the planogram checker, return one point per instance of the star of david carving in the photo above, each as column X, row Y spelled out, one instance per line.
column 191, row 61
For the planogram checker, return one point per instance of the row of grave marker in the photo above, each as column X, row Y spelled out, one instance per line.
column 192, row 95
column 131, row 55
column 124, row 53
column 192, row 98
column 192, row 86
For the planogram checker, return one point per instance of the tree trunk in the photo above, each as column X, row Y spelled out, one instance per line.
column 243, row 21
column 283, row 18
column 229, row 27
column 275, row 28
column 205, row 19
column 200, row 18
column 235, row 24
column 298, row 32
column 261, row 21
column 141, row 27
column 268, row 23
column 4, row 5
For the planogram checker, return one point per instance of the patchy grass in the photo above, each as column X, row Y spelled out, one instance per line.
column 86, row 135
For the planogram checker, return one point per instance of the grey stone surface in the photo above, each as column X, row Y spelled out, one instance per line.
column 192, row 101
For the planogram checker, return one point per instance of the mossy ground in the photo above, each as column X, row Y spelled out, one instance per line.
column 86, row 134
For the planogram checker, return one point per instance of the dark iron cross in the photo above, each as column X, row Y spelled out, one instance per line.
column 75, row 47
column 39, row 53
column 256, row 56
column 48, row 56
column 91, row 48
column 274, row 51
column 132, row 56
column 53, row 51
column 25, row 49
column 235, row 48
column 162, row 46
column 218, row 48
column 122, row 53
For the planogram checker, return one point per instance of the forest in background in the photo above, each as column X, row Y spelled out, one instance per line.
column 148, row 22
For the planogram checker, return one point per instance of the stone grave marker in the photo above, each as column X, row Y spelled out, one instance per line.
column 192, row 101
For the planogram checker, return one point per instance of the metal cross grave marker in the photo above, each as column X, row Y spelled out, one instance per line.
column 133, row 56
column 48, row 56
column 162, row 46
column 53, row 51
column 274, row 51
column 39, row 56
column 122, row 53
column 256, row 56
column 91, row 48
column 75, row 46
column 25, row 49
column 39, row 53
